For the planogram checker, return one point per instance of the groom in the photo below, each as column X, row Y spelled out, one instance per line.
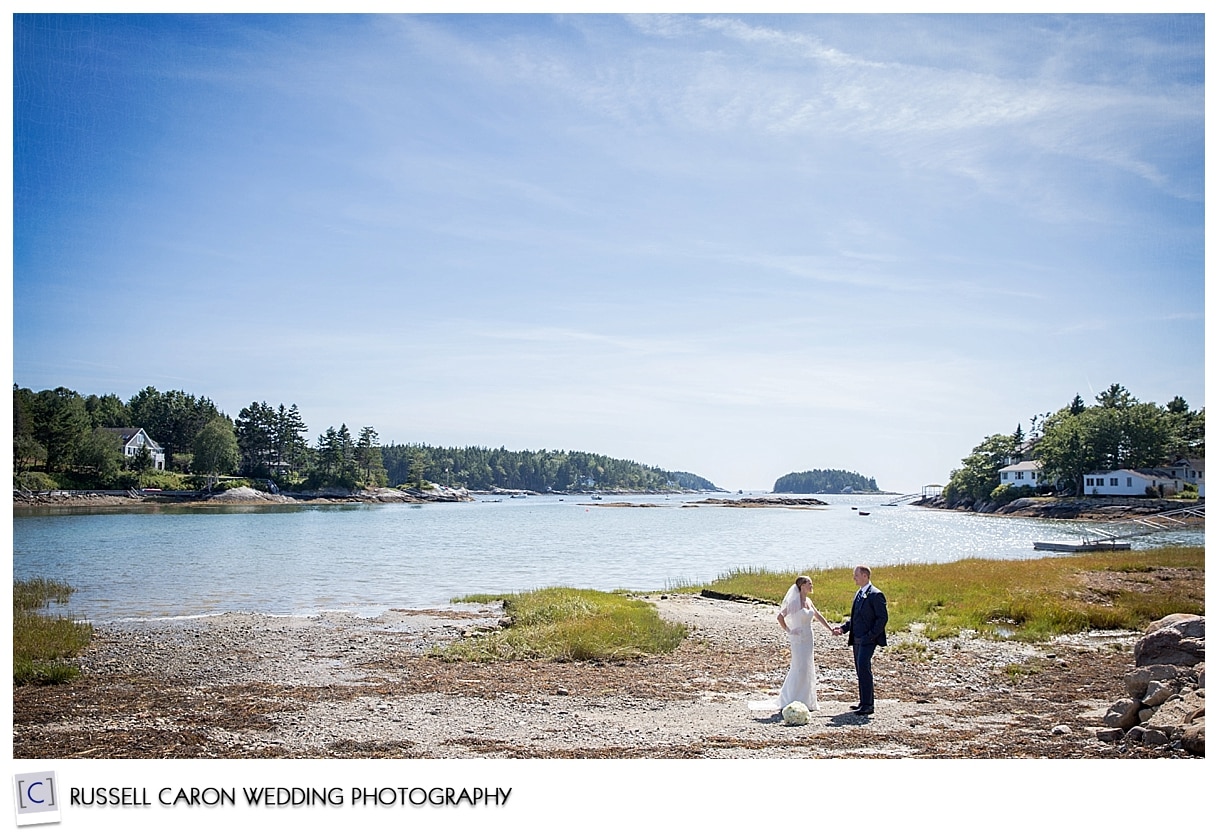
column 868, row 616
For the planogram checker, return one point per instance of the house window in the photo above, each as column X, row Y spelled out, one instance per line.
column 1112, row 481
column 1129, row 482
column 1019, row 475
column 1004, row 475
column 1090, row 481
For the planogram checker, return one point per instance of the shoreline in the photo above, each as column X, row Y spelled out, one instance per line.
column 1070, row 508
column 338, row 686
column 1085, row 508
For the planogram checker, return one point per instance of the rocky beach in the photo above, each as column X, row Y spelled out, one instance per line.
column 339, row 686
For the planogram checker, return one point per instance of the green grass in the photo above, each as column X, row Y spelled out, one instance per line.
column 44, row 645
column 1029, row 600
column 561, row 623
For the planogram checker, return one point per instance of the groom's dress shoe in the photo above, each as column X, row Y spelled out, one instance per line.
column 867, row 710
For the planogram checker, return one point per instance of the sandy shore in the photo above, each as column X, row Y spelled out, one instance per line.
column 338, row 686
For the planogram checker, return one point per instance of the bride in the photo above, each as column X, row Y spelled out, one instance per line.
column 795, row 616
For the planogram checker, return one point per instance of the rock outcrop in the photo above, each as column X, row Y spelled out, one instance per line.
column 1084, row 508
column 1166, row 702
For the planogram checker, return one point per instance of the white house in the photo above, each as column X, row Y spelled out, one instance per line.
column 1130, row 482
column 133, row 439
column 1026, row 473
column 1190, row 470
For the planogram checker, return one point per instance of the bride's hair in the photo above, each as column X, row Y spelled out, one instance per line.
column 802, row 580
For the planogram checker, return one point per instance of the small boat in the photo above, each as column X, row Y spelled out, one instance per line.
column 864, row 513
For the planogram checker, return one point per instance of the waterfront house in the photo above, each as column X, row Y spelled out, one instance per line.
column 1131, row 482
column 1026, row 473
column 1190, row 470
column 133, row 439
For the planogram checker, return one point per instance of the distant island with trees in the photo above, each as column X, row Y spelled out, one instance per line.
column 825, row 482
column 63, row 440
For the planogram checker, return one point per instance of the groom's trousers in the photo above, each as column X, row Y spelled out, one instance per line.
column 863, row 652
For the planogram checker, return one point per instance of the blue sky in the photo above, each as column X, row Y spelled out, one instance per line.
column 738, row 246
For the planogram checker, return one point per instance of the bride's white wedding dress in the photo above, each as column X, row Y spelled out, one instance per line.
column 800, row 684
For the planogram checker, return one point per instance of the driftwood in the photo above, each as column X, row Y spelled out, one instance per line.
column 733, row 597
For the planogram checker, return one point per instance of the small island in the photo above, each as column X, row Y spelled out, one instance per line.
column 826, row 482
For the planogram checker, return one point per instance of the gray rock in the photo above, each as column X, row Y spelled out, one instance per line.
column 1137, row 680
column 1159, row 692
column 1199, row 668
column 1060, row 729
column 1134, row 735
column 1180, row 644
column 1153, row 737
column 1109, row 735
column 1193, row 739
column 1145, row 714
column 1123, row 714
column 1173, row 619
column 1177, row 712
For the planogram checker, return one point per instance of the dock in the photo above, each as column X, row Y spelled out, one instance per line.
column 1098, row 540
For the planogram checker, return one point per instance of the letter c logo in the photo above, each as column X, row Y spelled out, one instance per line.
column 29, row 792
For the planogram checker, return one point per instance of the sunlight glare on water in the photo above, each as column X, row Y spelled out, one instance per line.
column 367, row 559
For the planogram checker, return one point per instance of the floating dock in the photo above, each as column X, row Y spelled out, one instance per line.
column 1097, row 540
column 1086, row 546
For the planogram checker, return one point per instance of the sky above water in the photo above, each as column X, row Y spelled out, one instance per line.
column 732, row 245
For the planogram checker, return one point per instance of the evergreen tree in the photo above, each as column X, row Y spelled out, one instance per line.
column 173, row 418
column 61, row 426
column 291, row 447
column 256, row 439
column 107, row 411
column 368, row 455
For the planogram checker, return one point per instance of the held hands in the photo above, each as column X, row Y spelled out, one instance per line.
column 837, row 631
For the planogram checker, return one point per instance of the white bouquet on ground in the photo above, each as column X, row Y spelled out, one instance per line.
column 796, row 714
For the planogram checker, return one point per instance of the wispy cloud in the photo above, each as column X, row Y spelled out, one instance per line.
column 686, row 235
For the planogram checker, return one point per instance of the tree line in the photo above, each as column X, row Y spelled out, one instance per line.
column 538, row 471
column 59, row 440
column 1117, row 432
column 824, row 482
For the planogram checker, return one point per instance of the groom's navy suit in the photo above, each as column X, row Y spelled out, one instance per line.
column 868, row 616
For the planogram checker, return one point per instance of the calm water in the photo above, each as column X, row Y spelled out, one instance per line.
column 367, row 559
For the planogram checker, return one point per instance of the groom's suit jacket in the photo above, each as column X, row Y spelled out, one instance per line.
column 868, row 616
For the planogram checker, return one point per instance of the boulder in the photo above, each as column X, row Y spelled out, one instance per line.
column 1139, row 679
column 1153, row 737
column 1123, row 714
column 1177, row 712
column 1109, row 735
column 1181, row 643
column 1159, row 692
column 1172, row 619
column 1193, row 739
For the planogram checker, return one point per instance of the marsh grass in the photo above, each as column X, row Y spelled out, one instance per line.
column 43, row 645
column 1029, row 600
column 561, row 623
